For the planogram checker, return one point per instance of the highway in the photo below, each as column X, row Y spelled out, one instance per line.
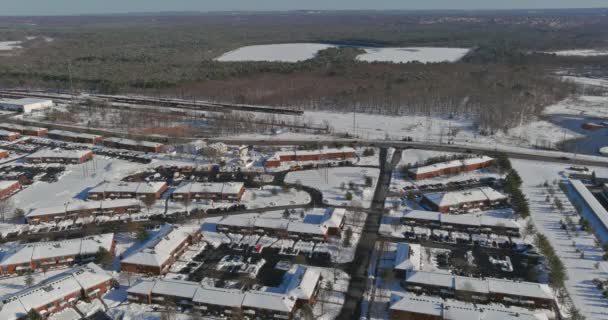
column 515, row 153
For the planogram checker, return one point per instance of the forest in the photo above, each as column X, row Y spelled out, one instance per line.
column 505, row 78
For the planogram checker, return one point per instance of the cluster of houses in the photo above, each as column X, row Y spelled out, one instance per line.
column 311, row 156
column 57, row 293
column 317, row 225
column 449, row 167
column 157, row 255
column 462, row 201
column 404, row 306
column 506, row 292
column 54, row 254
column 75, row 210
column 469, row 223
column 300, row 286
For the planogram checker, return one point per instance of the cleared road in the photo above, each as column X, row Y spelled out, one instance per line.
column 516, row 153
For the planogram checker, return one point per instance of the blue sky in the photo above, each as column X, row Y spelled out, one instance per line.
column 55, row 7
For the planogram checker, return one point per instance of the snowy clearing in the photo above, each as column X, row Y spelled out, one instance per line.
column 286, row 52
column 411, row 54
column 587, row 81
column 591, row 106
column 9, row 45
column 582, row 52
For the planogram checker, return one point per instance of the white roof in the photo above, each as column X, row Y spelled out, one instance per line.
column 74, row 206
column 175, row 288
column 25, row 101
column 461, row 219
column 210, row 187
column 51, row 249
column 69, row 282
column 59, row 153
column 518, row 288
column 218, row 296
column 18, row 127
column 402, row 256
column 129, row 142
column 7, row 133
column 306, row 228
column 145, row 286
column 333, row 217
column 129, row 187
column 269, row 301
column 7, row 184
column 449, row 199
column 74, row 134
column 450, row 164
column 159, row 249
column 458, row 310
column 598, row 210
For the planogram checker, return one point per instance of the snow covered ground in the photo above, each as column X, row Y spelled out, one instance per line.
column 410, row 54
column 587, row 81
column 582, row 52
column 581, row 271
column 334, row 184
column 9, row 45
column 437, row 129
column 590, row 106
column 285, row 52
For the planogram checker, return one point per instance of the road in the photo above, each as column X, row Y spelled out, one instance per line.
column 358, row 269
column 515, row 153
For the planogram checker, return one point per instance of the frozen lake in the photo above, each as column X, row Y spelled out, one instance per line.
column 411, row 54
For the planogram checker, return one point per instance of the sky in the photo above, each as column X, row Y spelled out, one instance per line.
column 69, row 7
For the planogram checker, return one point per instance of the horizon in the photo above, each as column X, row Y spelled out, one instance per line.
column 116, row 7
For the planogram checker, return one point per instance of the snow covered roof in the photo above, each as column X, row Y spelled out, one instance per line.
column 333, row 217
column 129, row 187
column 217, row 296
column 159, row 248
column 25, row 101
column 501, row 286
column 300, row 282
column 59, row 153
column 455, row 198
column 306, row 228
column 279, row 154
column 210, row 187
column 175, row 288
column 129, row 142
column 461, row 219
column 450, row 164
column 18, row 127
column 52, row 289
column 269, row 301
column 519, row 288
column 7, row 133
column 598, row 210
column 82, row 205
column 64, row 248
column 458, row 310
column 71, row 134
column 7, row 184
column 403, row 254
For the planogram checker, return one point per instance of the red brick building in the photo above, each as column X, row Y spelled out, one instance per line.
column 8, row 188
column 9, row 135
column 218, row 191
column 60, row 156
column 83, row 209
column 450, row 167
column 160, row 252
column 4, row 154
column 310, row 156
column 128, row 190
column 74, row 136
column 24, row 130
column 128, row 144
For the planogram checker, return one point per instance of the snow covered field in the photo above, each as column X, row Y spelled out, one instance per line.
column 581, row 271
column 410, row 54
column 582, row 52
column 9, row 45
column 286, row 52
column 590, row 106
column 436, row 129
column 334, row 184
column 587, row 81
